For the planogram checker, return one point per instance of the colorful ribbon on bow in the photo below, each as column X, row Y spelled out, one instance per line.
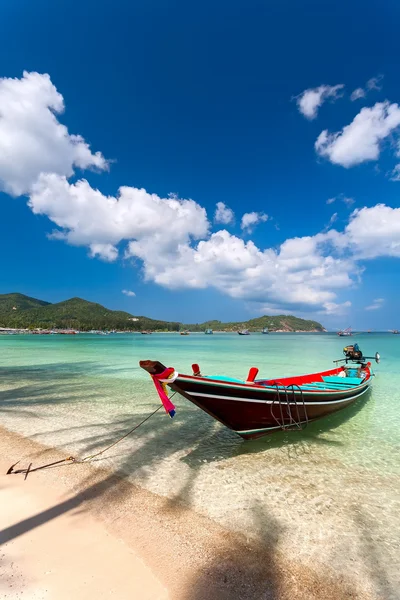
column 159, row 381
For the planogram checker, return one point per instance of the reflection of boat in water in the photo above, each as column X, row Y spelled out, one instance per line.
column 345, row 332
column 256, row 407
column 265, row 330
column 244, row 332
column 208, row 332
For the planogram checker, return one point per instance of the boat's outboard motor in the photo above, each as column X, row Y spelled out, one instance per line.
column 352, row 352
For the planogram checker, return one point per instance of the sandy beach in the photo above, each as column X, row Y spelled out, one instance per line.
column 76, row 531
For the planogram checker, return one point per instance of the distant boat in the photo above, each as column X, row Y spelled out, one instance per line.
column 396, row 331
column 184, row 332
column 244, row 332
column 146, row 332
column 345, row 332
column 208, row 332
column 265, row 330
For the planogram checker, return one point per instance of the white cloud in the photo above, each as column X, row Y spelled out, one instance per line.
column 357, row 94
column 328, row 226
column 250, row 220
column 372, row 232
column 332, row 308
column 395, row 174
column 361, row 140
column 129, row 293
column 296, row 275
column 88, row 218
column 345, row 199
column 332, row 219
column 302, row 274
column 377, row 303
column 372, row 84
column 170, row 236
column 223, row 214
column 375, row 83
column 306, row 273
column 311, row 100
column 32, row 140
column 106, row 252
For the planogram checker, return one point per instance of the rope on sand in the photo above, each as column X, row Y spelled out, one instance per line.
column 71, row 459
column 88, row 458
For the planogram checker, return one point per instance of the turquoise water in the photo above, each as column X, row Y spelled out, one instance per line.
column 323, row 494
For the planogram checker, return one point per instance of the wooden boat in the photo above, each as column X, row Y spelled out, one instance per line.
column 184, row 332
column 345, row 332
column 244, row 332
column 257, row 407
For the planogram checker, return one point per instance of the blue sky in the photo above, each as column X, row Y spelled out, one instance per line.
column 203, row 102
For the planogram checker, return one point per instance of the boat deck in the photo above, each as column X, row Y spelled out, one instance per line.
column 333, row 382
column 328, row 383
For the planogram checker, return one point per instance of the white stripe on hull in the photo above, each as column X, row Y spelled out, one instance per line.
column 286, row 426
column 283, row 400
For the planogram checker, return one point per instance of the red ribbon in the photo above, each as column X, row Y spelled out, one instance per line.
column 162, row 390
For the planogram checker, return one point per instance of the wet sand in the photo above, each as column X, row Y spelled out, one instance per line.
column 79, row 531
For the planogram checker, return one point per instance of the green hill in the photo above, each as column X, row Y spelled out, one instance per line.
column 13, row 303
column 277, row 323
column 21, row 311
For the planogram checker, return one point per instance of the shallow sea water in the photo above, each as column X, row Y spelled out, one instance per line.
column 328, row 495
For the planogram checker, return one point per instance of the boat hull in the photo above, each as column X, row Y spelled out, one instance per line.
column 253, row 411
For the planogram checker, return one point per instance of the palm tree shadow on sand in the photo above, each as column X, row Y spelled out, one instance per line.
column 256, row 570
column 193, row 434
column 232, row 567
